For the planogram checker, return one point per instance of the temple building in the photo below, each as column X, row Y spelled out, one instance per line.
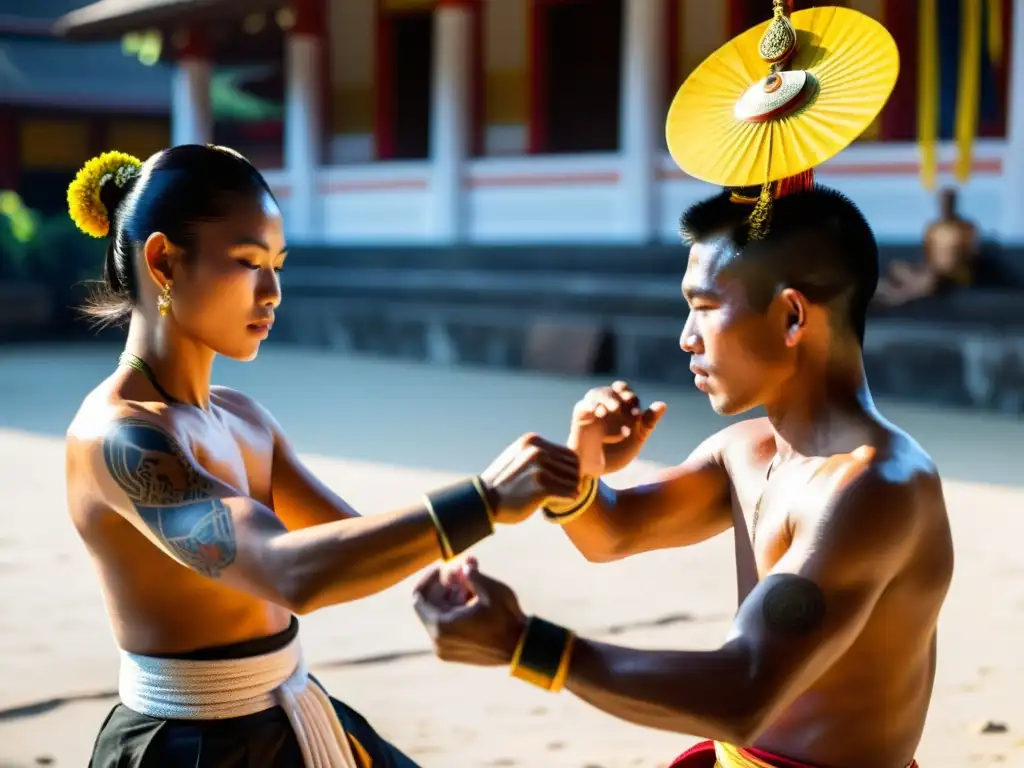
column 523, row 121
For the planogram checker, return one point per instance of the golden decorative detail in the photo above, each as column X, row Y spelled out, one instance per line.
column 850, row 60
column 163, row 302
column 778, row 43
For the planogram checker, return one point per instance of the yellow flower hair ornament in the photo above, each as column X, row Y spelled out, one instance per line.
column 84, row 203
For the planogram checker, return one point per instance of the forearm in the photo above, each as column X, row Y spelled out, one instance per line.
column 708, row 694
column 350, row 559
column 597, row 533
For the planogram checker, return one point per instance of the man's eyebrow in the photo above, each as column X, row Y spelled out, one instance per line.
column 692, row 292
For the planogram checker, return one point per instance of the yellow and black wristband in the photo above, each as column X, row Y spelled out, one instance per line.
column 543, row 655
column 566, row 513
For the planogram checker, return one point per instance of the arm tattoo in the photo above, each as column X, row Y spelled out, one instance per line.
column 171, row 497
column 792, row 606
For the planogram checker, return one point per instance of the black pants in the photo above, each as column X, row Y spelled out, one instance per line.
column 128, row 739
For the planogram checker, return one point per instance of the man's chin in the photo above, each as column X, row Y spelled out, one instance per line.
column 725, row 406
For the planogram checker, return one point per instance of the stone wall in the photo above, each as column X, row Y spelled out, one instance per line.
column 496, row 306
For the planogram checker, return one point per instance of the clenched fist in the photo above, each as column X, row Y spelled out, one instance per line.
column 609, row 427
column 527, row 474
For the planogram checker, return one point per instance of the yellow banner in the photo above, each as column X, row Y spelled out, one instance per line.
column 995, row 32
column 968, row 96
column 928, row 89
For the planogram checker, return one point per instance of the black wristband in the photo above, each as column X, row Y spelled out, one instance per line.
column 461, row 515
column 542, row 656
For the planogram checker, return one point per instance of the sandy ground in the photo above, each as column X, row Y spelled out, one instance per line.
column 382, row 432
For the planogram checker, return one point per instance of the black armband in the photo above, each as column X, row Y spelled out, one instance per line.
column 461, row 515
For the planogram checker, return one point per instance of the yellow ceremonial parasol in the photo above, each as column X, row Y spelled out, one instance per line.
column 782, row 97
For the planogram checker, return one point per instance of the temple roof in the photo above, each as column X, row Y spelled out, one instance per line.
column 39, row 69
column 112, row 18
column 51, row 73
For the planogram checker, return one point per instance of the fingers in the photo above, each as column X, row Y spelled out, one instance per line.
column 431, row 578
column 428, row 612
column 456, row 588
column 629, row 399
column 548, row 448
column 606, row 401
column 484, row 587
column 653, row 415
column 617, row 407
column 557, row 468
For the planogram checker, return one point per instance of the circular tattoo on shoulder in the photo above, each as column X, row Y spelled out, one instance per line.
column 792, row 605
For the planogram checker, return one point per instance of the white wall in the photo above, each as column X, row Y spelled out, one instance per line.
column 512, row 198
column 551, row 199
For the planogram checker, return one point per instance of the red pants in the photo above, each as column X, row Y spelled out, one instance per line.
column 703, row 756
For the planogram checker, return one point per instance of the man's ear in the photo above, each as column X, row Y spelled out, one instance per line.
column 796, row 311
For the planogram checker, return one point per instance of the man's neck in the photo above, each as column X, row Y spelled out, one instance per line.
column 824, row 411
column 182, row 366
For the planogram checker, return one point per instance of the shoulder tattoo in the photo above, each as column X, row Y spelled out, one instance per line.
column 170, row 495
column 792, row 605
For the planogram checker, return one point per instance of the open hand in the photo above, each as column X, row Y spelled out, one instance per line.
column 471, row 618
column 609, row 428
column 527, row 474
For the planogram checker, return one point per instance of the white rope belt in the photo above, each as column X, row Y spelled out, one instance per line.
column 182, row 689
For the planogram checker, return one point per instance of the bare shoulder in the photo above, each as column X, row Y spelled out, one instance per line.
column 892, row 470
column 105, row 434
column 244, row 407
column 884, row 497
column 745, row 444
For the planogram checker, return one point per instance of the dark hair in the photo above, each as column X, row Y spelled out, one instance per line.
column 818, row 242
column 174, row 190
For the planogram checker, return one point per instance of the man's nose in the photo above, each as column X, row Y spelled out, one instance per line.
column 689, row 341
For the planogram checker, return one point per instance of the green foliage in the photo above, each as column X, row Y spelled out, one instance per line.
column 49, row 249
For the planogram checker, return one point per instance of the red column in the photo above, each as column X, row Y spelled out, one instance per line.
column 673, row 48
column 383, row 98
column 738, row 16
column 899, row 119
column 536, row 58
column 10, row 149
column 192, row 43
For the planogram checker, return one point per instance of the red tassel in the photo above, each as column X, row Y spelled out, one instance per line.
column 791, row 185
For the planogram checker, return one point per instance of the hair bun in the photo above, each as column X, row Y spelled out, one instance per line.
column 98, row 189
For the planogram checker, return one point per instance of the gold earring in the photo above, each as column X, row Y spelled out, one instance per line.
column 163, row 302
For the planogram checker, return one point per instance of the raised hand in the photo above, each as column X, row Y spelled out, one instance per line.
column 527, row 474
column 609, row 428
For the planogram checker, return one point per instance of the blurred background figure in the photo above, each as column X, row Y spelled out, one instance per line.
column 482, row 219
column 951, row 248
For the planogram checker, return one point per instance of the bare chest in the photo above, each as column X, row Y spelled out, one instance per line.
column 234, row 449
column 763, row 508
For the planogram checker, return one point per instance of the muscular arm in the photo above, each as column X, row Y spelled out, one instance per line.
column 684, row 505
column 792, row 627
column 301, row 500
column 216, row 531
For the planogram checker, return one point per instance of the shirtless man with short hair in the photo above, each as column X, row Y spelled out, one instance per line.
column 843, row 546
